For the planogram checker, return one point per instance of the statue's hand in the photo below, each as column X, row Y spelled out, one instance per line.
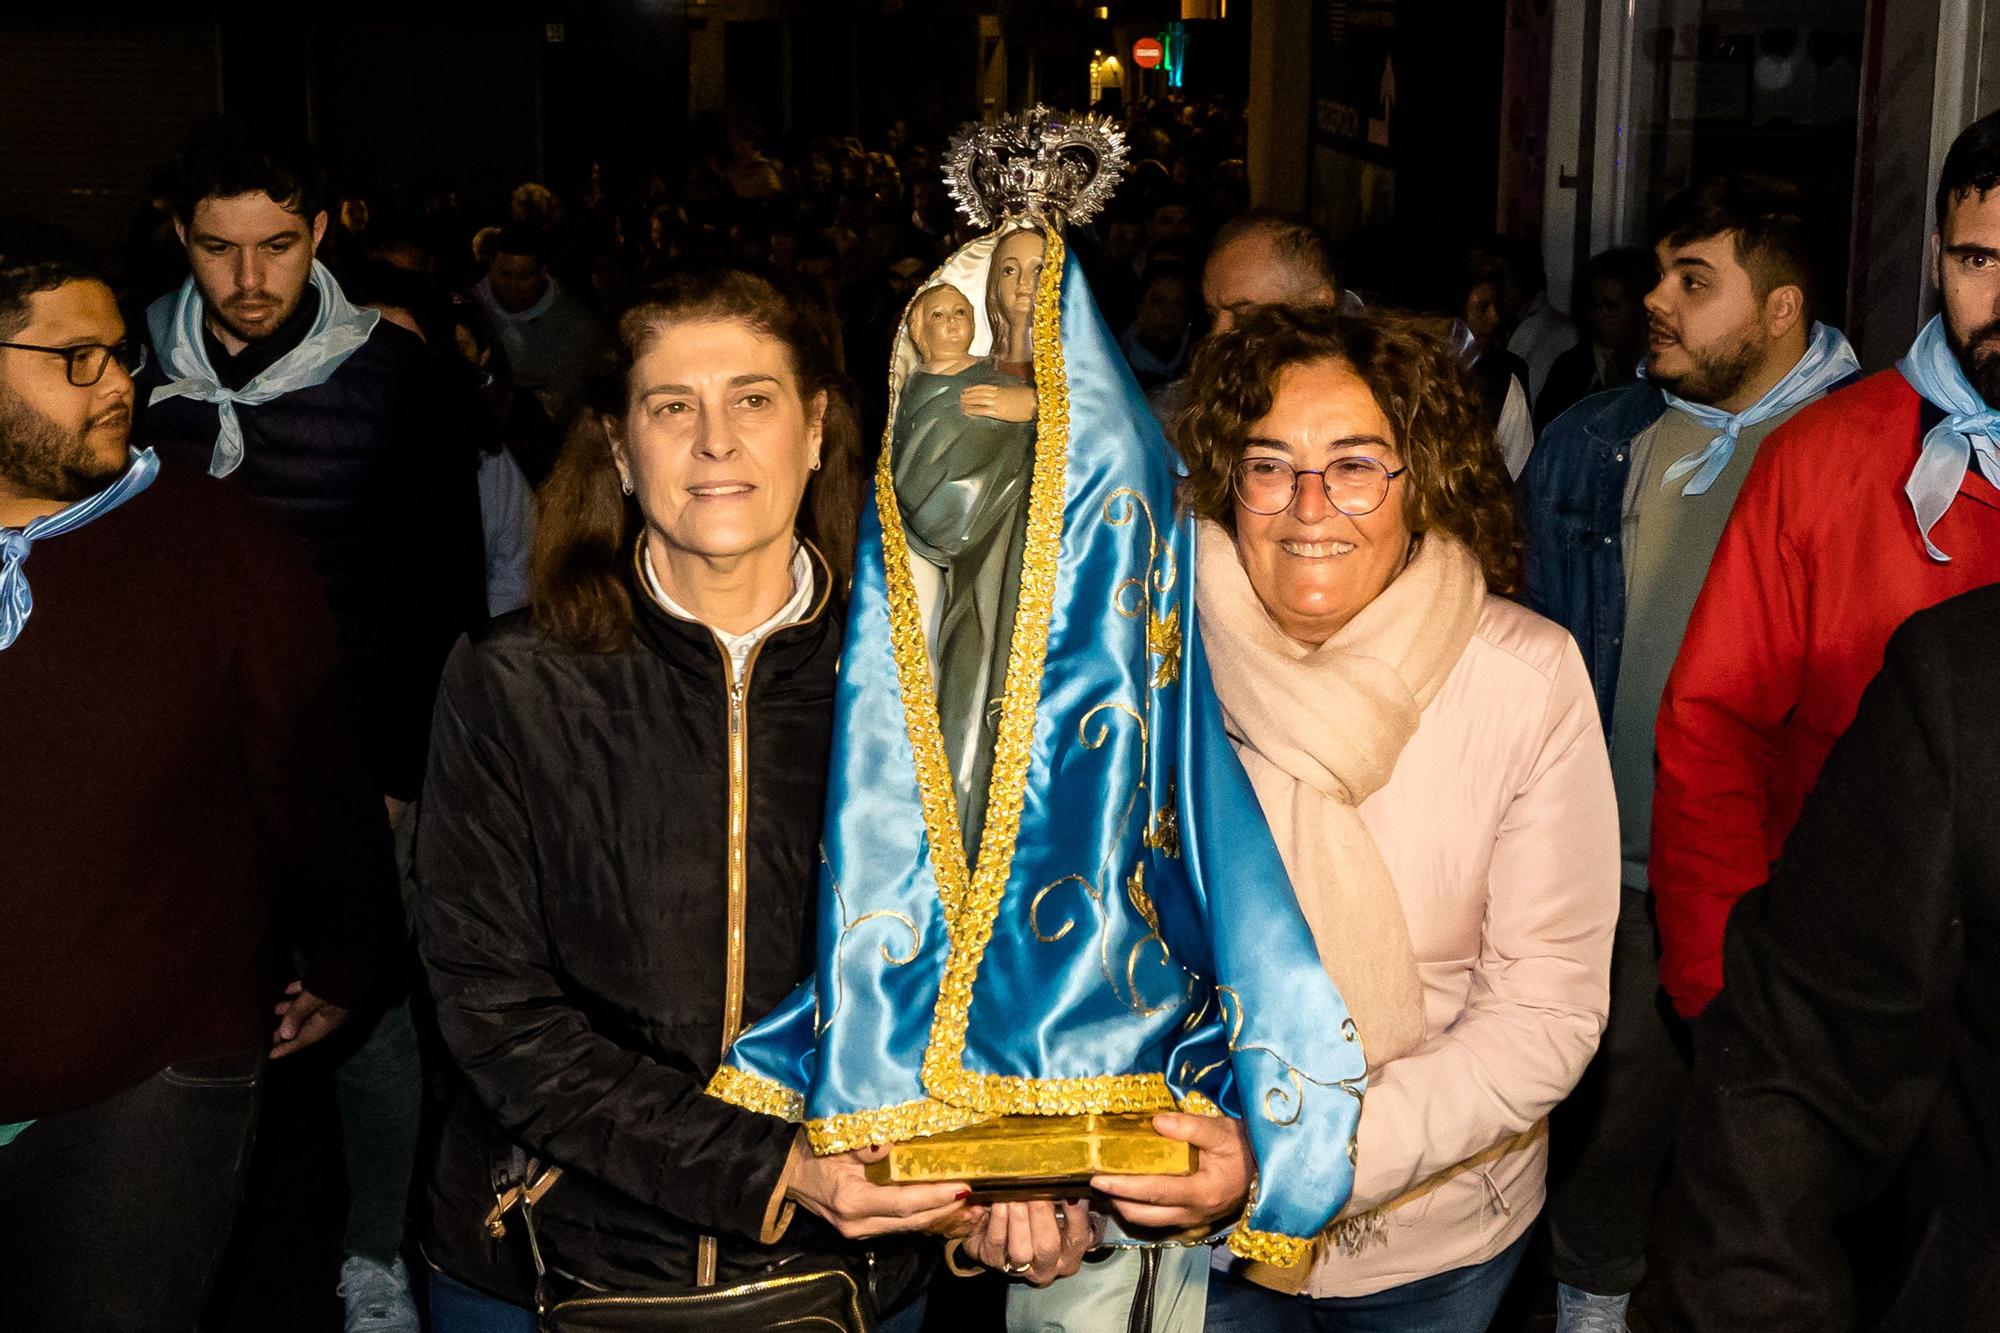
column 1000, row 402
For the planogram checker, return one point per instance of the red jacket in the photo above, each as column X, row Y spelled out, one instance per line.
column 1819, row 563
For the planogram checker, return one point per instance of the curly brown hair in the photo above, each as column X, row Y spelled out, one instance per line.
column 1457, row 480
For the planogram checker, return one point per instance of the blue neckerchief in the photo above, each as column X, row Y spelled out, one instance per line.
column 1969, row 428
column 1828, row 361
column 15, row 599
column 337, row 332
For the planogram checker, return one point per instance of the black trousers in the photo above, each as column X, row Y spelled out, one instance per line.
column 113, row 1216
column 1609, row 1142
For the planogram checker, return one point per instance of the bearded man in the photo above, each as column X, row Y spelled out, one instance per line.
column 1626, row 496
column 1866, row 508
column 185, row 810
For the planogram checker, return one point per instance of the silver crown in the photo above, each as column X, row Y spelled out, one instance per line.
column 1061, row 167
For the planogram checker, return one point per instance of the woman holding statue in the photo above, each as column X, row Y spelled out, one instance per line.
column 617, row 854
column 1429, row 756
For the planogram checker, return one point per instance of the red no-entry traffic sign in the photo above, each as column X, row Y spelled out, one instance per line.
column 1147, row 53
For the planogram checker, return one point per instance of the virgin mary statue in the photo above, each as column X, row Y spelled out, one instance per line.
column 1047, row 890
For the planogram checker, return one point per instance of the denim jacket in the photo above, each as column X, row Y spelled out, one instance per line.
column 1573, row 505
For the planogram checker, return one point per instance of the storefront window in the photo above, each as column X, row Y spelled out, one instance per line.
column 1767, row 87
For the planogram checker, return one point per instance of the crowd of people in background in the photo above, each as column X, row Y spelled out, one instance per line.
column 859, row 226
column 213, row 690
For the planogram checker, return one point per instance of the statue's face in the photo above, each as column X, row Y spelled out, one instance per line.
column 941, row 324
column 1017, row 268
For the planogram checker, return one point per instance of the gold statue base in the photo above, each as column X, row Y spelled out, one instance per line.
column 1037, row 1156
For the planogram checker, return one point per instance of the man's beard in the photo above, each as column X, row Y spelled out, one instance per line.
column 1979, row 357
column 276, row 312
column 1718, row 374
column 38, row 458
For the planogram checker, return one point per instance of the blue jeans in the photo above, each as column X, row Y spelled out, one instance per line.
column 1462, row 1300
column 457, row 1308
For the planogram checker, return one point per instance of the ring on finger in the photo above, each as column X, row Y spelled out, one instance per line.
column 1015, row 1270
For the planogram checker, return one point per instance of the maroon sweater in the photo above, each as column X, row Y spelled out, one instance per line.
column 181, row 800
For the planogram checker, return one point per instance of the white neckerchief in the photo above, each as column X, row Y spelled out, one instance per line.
column 175, row 320
column 1965, row 436
column 483, row 289
column 516, row 327
column 740, row 646
column 1827, row 361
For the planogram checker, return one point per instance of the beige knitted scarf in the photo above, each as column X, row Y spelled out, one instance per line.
column 1319, row 731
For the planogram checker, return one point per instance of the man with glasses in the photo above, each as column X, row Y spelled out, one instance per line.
column 180, row 779
column 1625, row 498
column 264, row 373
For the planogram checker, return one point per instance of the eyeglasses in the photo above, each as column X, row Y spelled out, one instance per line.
column 87, row 362
column 1354, row 486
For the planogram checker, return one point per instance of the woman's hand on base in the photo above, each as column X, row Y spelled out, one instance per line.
column 838, row 1189
column 1217, row 1190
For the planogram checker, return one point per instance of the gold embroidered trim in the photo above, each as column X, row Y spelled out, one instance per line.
column 1269, row 1247
column 1163, row 640
column 887, row 1124
column 1196, row 1103
column 754, row 1092
column 971, row 893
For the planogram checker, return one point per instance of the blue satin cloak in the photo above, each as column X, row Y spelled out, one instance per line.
column 1147, row 952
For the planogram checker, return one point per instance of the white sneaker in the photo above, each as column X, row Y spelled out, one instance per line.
column 1580, row 1311
column 377, row 1297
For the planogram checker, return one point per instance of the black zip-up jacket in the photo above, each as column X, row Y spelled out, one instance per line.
column 374, row 472
column 573, row 859
column 1855, row 1048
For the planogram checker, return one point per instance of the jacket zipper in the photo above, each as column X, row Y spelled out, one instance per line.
column 739, row 838
column 707, row 1252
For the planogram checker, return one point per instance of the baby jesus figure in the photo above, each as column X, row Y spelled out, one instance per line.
column 963, row 450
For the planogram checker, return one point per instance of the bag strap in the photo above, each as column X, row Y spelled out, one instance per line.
column 1141, row 1319
column 529, row 1184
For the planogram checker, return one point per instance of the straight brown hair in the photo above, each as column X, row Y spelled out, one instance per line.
column 579, row 588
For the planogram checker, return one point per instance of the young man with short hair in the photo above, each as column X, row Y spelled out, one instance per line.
column 340, row 424
column 1869, row 506
column 1625, row 498
column 184, row 807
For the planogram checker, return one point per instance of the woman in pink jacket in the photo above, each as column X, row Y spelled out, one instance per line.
column 1429, row 756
